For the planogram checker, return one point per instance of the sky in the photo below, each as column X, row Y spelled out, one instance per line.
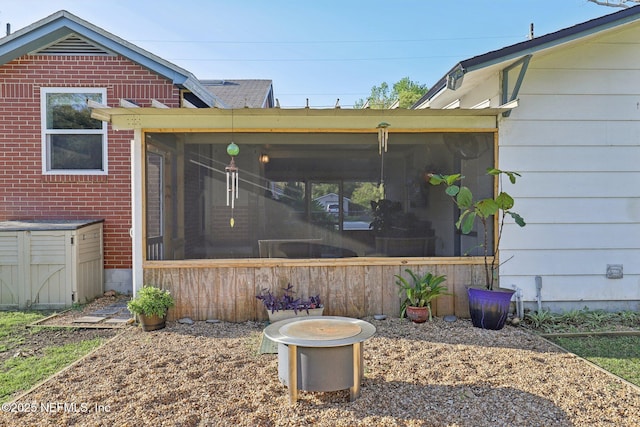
column 320, row 50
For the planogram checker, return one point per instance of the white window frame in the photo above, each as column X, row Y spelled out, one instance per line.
column 46, row 158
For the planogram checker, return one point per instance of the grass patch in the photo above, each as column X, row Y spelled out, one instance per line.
column 12, row 327
column 619, row 355
column 21, row 373
column 28, row 357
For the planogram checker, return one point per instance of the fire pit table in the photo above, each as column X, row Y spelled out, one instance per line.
column 320, row 353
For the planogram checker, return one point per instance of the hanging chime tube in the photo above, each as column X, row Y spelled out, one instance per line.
column 383, row 137
column 232, row 183
column 227, row 187
column 234, row 188
column 237, row 183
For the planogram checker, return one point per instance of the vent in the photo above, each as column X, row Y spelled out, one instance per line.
column 72, row 45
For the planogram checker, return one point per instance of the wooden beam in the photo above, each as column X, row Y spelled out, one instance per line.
column 94, row 104
column 157, row 104
column 187, row 104
column 483, row 104
column 299, row 120
column 128, row 104
column 454, row 105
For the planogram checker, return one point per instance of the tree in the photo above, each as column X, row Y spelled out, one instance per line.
column 379, row 99
column 615, row 3
column 406, row 91
column 365, row 193
column 320, row 190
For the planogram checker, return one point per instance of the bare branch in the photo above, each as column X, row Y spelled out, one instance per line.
column 615, row 3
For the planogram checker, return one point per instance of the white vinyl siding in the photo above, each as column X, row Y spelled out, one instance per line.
column 575, row 137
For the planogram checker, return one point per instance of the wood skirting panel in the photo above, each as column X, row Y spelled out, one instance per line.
column 213, row 290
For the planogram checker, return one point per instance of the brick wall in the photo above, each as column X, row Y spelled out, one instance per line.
column 25, row 193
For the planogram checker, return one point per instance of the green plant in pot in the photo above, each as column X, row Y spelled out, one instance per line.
column 488, row 307
column 418, row 294
column 151, row 305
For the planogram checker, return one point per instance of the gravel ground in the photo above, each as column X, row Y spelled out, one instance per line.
column 434, row 374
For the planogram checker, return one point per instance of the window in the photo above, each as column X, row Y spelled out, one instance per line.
column 72, row 142
column 318, row 195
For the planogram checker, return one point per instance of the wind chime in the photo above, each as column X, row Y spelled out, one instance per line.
column 232, row 175
column 232, row 179
column 383, row 139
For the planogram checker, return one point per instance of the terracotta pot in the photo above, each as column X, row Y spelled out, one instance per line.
column 152, row 323
column 288, row 314
column 489, row 309
column 418, row 314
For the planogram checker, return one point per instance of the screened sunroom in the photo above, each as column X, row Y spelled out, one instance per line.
column 309, row 195
column 317, row 201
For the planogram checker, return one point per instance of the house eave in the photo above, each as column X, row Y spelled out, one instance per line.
column 509, row 54
column 63, row 23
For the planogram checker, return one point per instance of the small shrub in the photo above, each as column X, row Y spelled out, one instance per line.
column 540, row 319
column 151, row 301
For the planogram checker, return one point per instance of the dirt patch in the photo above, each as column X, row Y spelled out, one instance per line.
column 58, row 330
column 36, row 340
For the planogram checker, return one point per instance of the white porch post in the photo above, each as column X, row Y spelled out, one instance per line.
column 136, row 210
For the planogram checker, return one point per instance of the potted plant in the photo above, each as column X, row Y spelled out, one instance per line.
column 419, row 294
column 287, row 305
column 151, row 305
column 488, row 307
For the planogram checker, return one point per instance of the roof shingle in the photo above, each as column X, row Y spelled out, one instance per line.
column 251, row 93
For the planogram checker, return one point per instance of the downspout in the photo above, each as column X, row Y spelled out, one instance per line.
column 519, row 302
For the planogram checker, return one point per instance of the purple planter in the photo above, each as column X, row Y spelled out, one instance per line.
column 489, row 309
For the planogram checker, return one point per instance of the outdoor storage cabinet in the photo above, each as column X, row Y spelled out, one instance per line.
column 50, row 264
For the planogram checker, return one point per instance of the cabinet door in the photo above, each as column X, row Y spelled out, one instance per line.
column 49, row 269
column 88, row 263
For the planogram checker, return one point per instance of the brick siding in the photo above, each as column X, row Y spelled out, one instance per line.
column 25, row 193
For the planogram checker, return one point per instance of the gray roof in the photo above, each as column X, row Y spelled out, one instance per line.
column 242, row 93
column 534, row 45
column 62, row 25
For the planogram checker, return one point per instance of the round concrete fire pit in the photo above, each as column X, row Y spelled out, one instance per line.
column 322, row 353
